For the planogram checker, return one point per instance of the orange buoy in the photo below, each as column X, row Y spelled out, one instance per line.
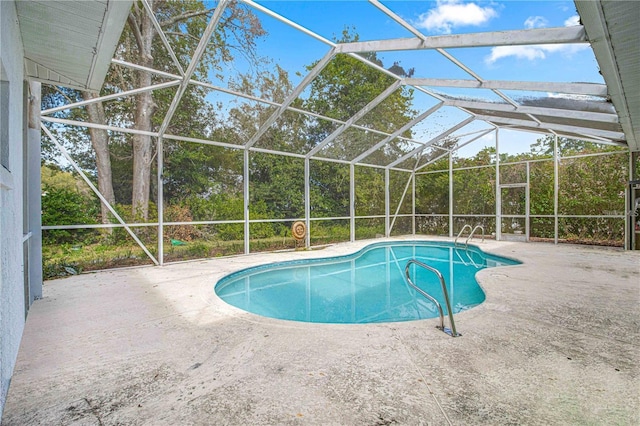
column 299, row 230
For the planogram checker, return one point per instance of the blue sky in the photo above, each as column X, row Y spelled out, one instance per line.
column 294, row 50
column 328, row 18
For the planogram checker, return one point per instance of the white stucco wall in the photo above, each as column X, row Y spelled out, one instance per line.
column 12, row 310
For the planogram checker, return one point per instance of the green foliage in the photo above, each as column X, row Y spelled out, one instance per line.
column 64, row 206
column 52, row 177
column 278, row 182
column 216, row 207
column 397, row 184
column 329, row 189
column 432, row 193
column 335, row 231
column 474, row 191
column 196, row 170
column 369, row 228
column 541, row 188
column 179, row 213
column 369, row 183
column 592, row 185
column 568, row 147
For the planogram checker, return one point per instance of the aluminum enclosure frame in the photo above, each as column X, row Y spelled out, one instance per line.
column 508, row 114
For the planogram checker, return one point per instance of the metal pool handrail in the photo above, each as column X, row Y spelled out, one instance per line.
column 460, row 233
column 466, row 243
column 450, row 331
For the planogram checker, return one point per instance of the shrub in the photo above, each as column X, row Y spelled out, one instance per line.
column 64, row 206
column 178, row 213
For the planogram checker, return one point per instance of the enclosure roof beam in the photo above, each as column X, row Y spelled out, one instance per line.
column 357, row 116
column 202, row 141
column 444, row 53
column 551, row 126
column 147, row 69
column 112, row 96
column 568, row 135
column 292, row 97
column 398, row 132
column 423, row 37
column 162, row 36
column 90, row 125
column 195, row 60
column 564, row 113
column 241, row 95
column 288, row 22
column 332, row 44
column 396, row 18
column 589, row 89
column 486, row 132
column 442, row 135
column 574, row 34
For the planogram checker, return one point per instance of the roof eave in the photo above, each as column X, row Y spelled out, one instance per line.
column 598, row 33
column 49, row 67
column 110, row 31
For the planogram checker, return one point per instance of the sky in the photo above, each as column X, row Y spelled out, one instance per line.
column 294, row 50
column 329, row 18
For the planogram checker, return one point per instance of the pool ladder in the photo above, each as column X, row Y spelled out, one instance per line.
column 450, row 331
column 473, row 231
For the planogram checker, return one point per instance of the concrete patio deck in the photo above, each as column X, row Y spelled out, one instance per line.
column 556, row 342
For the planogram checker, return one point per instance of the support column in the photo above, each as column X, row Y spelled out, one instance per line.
column 629, row 219
column 246, row 200
column 387, row 206
column 160, row 166
column 450, row 194
column 498, row 192
column 555, row 189
column 307, row 202
column 413, row 203
column 527, row 226
column 352, row 202
column 33, row 189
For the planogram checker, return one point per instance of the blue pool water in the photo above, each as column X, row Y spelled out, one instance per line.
column 367, row 286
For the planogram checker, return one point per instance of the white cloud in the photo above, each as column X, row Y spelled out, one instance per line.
column 521, row 52
column 539, row 51
column 454, row 13
column 572, row 21
column 535, row 22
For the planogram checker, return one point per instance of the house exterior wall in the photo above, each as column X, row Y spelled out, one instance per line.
column 12, row 282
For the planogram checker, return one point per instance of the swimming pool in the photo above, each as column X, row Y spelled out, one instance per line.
column 364, row 287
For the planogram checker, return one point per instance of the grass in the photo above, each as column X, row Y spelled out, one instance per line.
column 65, row 259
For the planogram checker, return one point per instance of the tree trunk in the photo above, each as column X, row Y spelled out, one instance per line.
column 100, row 143
column 144, row 110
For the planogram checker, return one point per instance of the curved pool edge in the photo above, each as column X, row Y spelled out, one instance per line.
column 341, row 251
column 358, row 252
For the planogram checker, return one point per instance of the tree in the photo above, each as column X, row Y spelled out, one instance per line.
column 98, row 162
column 183, row 22
column 66, row 200
column 275, row 180
column 100, row 144
column 566, row 146
column 342, row 89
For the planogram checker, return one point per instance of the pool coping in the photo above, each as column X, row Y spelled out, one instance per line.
column 271, row 266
